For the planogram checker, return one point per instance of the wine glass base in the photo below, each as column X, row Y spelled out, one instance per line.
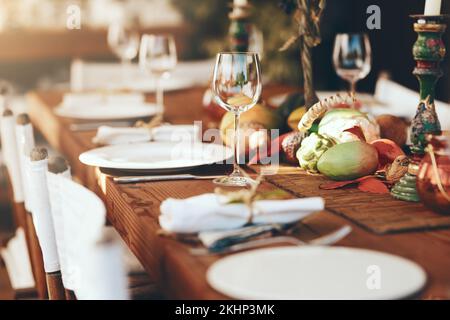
column 234, row 181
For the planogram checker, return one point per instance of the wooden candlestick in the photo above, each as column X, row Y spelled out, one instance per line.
column 428, row 51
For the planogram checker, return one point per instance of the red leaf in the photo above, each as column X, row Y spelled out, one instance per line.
column 340, row 184
column 387, row 150
column 373, row 185
column 356, row 130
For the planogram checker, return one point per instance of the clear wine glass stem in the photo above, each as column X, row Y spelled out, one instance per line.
column 159, row 93
column 353, row 87
column 236, row 169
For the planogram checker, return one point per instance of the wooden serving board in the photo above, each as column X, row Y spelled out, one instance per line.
column 379, row 213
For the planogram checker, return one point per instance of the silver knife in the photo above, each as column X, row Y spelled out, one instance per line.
column 134, row 179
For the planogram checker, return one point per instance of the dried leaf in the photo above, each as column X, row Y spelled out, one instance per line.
column 340, row 184
column 373, row 185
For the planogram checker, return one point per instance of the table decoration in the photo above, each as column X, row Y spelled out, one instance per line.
column 239, row 32
column 307, row 14
column 428, row 51
column 433, row 178
column 371, row 211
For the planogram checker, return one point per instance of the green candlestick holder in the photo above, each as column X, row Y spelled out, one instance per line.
column 240, row 27
column 428, row 51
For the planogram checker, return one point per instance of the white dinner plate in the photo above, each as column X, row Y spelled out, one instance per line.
column 156, row 156
column 366, row 98
column 304, row 273
column 108, row 112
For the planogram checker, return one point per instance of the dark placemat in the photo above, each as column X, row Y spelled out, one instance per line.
column 379, row 213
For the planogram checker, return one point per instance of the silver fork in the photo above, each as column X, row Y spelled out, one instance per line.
column 325, row 240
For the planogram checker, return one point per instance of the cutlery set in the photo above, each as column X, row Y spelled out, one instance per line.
column 242, row 244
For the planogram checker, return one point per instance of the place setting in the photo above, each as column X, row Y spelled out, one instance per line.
column 180, row 150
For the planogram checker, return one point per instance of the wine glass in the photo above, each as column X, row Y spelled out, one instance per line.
column 124, row 42
column 236, row 87
column 158, row 55
column 352, row 57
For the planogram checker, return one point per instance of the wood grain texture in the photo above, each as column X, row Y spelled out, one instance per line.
column 55, row 286
column 379, row 213
column 134, row 209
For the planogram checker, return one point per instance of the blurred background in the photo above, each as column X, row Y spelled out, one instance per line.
column 37, row 48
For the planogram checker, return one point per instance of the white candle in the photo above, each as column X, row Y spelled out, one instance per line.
column 240, row 2
column 432, row 7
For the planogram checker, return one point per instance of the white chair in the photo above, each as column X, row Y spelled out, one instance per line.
column 43, row 221
column 91, row 260
column 13, row 160
column 25, row 143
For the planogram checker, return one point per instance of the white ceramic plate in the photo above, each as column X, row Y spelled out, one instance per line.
column 158, row 156
column 365, row 98
column 108, row 112
column 315, row 273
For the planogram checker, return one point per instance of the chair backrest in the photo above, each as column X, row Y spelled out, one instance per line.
column 58, row 167
column 25, row 143
column 91, row 266
column 11, row 155
column 43, row 221
column 103, row 269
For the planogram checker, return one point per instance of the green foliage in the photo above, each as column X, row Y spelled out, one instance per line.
column 209, row 24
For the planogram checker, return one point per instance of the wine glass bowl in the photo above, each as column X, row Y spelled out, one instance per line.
column 158, row 56
column 352, row 57
column 236, row 87
column 124, row 43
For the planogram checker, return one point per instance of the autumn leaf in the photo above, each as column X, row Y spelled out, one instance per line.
column 373, row 185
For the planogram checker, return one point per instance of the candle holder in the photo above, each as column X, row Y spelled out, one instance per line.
column 428, row 51
column 240, row 27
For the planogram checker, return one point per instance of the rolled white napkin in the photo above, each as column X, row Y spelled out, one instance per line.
column 171, row 133
column 77, row 100
column 208, row 212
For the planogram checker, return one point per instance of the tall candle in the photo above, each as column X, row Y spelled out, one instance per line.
column 432, row 7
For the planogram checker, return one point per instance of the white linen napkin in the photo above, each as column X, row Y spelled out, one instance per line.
column 79, row 100
column 167, row 133
column 208, row 212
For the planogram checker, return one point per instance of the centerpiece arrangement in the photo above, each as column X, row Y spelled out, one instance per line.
column 333, row 137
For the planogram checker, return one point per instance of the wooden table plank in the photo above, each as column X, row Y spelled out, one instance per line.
column 134, row 210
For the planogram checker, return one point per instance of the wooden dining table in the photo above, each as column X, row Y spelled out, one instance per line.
column 133, row 209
